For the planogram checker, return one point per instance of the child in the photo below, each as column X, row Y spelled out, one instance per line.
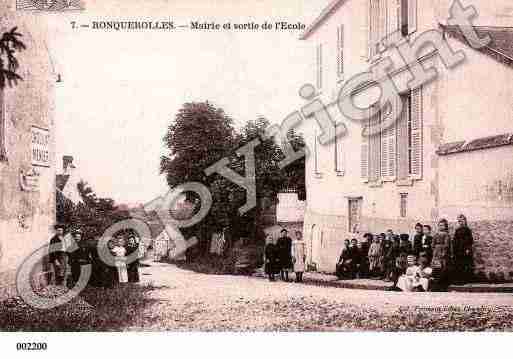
column 427, row 242
column 272, row 266
column 410, row 280
column 374, row 255
column 299, row 256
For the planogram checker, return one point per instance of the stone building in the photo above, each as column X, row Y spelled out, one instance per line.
column 450, row 150
column 27, row 171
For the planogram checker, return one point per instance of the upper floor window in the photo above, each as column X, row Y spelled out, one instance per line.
column 408, row 16
column 340, row 51
column 394, row 151
column 319, row 66
column 339, row 154
column 389, row 20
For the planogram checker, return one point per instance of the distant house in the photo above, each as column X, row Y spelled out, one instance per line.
column 67, row 181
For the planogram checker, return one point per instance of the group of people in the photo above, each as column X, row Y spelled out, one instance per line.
column 422, row 261
column 70, row 252
column 285, row 255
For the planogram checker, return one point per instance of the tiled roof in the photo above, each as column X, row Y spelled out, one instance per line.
column 476, row 144
column 500, row 47
column 61, row 180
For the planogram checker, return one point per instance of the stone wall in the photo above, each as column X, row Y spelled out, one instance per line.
column 26, row 217
column 493, row 250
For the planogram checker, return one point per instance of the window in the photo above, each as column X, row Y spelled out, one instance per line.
column 410, row 136
column 408, row 16
column 339, row 154
column 319, row 67
column 394, row 148
column 3, row 127
column 379, row 150
column 340, row 51
column 403, row 204
column 317, row 173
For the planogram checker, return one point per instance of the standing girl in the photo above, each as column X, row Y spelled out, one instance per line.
column 299, row 256
column 441, row 253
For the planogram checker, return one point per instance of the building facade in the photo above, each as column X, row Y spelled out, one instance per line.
column 27, row 170
column 449, row 151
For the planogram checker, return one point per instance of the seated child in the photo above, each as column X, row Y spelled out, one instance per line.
column 417, row 277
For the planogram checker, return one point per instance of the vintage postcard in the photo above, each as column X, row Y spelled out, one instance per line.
column 255, row 166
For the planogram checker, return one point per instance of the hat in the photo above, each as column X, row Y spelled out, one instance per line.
column 76, row 231
column 59, row 226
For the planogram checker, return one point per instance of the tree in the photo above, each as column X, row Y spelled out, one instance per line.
column 9, row 45
column 200, row 136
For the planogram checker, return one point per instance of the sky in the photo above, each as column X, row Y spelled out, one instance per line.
column 120, row 90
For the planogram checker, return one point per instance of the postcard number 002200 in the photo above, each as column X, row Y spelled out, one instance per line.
column 31, row 346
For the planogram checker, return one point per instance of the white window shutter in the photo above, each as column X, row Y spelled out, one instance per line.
column 416, row 133
column 339, row 154
column 384, row 148
column 364, row 160
column 375, row 149
column 383, row 23
column 412, row 16
column 402, row 162
column 388, row 148
column 340, row 50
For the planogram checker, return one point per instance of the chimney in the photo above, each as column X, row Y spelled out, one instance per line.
column 67, row 164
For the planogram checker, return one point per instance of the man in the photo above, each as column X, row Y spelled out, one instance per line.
column 356, row 257
column 58, row 257
column 284, row 245
column 342, row 267
column 79, row 257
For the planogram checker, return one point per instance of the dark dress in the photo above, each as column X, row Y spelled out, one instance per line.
column 272, row 263
column 364, row 260
column 78, row 258
column 58, row 259
column 284, row 245
column 343, row 268
column 417, row 244
column 133, row 268
column 463, row 255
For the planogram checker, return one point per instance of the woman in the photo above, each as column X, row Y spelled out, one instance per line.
column 385, row 246
column 374, row 255
column 119, row 253
column 441, row 253
column 417, row 239
column 132, row 249
column 463, row 253
column 299, row 256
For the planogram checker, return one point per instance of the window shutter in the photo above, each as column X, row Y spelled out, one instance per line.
column 416, row 133
column 319, row 66
column 364, row 161
column 388, row 148
column 375, row 23
column 316, row 159
column 412, row 16
column 402, row 142
column 396, row 21
column 339, row 155
column 384, row 148
column 340, row 50
column 375, row 149
column 383, row 23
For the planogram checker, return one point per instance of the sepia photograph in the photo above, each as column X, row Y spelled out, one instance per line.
column 223, row 166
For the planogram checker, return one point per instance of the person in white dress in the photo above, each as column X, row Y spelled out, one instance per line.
column 417, row 277
column 299, row 256
column 119, row 251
